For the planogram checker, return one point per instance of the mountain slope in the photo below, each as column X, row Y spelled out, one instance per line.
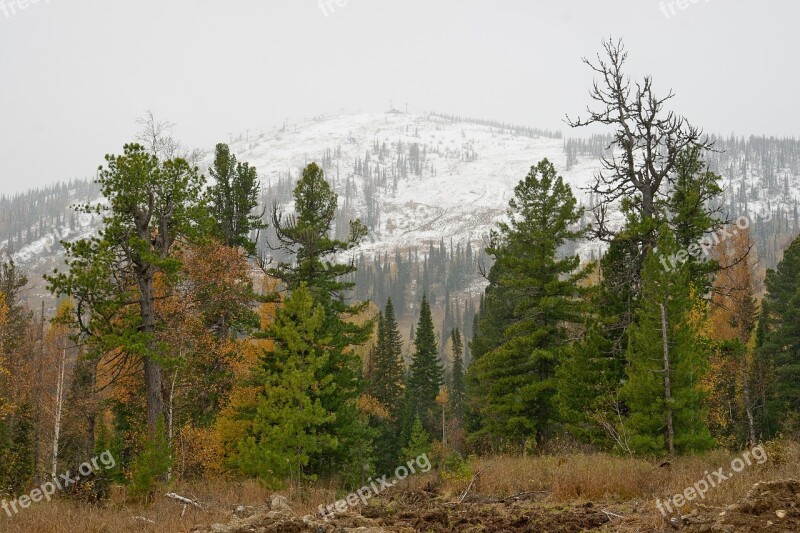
column 417, row 179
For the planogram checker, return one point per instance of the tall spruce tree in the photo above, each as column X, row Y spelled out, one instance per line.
column 386, row 381
column 779, row 344
column 426, row 374
column 457, row 376
column 512, row 385
column 306, row 237
column 667, row 359
column 233, row 198
column 289, row 425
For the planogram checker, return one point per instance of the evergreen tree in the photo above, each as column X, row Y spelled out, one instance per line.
column 513, row 384
column 290, row 423
column 667, row 360
column 780, row 343
column 457, row 380
column 592, row 371
column 152, row 207
column 588, row 379
column 691, row 217
column 150, row 464
column 418, row 444
column 426, row 375
column 386, row 381
column 306, row 236
column 233, row 198
column 386, row 385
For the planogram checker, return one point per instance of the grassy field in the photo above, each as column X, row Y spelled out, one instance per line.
column 624, row 489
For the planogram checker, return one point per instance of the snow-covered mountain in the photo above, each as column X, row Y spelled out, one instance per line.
column 416, row 179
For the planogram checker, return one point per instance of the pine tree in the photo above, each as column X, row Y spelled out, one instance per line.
column 386, row 381
column 153, row 206
column 457, row 380
column 150, row 464
column 691, row 217
column 386, row 386
column 233, row 198
column 419, row 443
column 780, row 343
column 512, row 385
column 589, row 378
column 667, row 359
column 306, row 236
column 289, row 425
column 426, row 375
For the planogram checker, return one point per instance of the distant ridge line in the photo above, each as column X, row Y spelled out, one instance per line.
column 525, row 131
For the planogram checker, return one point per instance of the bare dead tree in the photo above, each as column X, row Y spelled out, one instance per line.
column 156, row 137
column 647, row 141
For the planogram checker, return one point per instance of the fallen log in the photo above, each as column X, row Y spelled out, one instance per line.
column 184, row 499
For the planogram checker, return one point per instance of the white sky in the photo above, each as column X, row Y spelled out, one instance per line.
column 74, row 74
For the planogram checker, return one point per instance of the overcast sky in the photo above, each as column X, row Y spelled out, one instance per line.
column 75, row 74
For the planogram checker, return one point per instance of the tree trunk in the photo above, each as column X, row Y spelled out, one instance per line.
column 58, row 411
column 751, row 429
column 171, row 419
column 667, row 386
column 91, row 408
column 37, row 421
column 152, row 369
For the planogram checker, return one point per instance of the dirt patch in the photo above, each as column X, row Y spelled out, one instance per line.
column 424, row 511
column 768, row 506
column 412, row 511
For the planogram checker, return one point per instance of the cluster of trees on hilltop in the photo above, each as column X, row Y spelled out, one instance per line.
column 514, row 129
column 37, row 213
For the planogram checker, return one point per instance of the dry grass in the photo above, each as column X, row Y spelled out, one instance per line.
column 115, row 515
column 628, row 485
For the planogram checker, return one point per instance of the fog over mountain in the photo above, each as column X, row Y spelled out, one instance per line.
column 75, row 75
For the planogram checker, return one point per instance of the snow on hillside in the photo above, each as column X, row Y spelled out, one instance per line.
column 455, row 197
column 468, row 172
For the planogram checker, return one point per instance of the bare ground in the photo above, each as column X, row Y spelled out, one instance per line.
column 768, row 506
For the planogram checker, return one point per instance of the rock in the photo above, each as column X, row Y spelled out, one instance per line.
column 280, row 504
column 780, row 513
